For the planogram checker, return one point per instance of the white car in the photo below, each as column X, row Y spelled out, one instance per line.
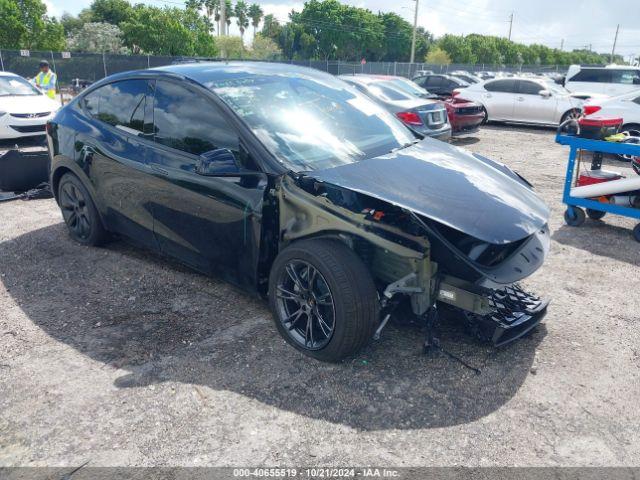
column 625, row 106
column 524, row 100
column 24, row 109
column 611, row 80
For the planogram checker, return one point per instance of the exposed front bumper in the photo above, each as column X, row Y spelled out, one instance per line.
column 466, row 123
column 15, row 127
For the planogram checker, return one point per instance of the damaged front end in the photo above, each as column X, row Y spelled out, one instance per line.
column 414, row 258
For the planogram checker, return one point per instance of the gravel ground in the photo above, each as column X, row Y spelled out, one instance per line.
column 116, row 356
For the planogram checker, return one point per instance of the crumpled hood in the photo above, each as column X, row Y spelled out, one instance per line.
column 449, row 185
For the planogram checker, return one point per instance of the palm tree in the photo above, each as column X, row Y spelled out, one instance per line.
column 229, row 14
column 255, row 13
column 241, row 13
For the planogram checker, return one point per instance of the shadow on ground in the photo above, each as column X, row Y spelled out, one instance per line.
column 159, row 322
column 600, row 238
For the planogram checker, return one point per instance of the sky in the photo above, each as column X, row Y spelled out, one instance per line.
column 579, row 23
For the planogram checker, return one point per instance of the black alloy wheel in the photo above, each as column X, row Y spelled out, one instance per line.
column 79, row 212
column 305, row 305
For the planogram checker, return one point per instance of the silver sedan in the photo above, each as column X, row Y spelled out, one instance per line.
column 524, row 100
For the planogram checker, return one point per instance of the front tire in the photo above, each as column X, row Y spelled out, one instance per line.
column 79, row 212
column 323, row 299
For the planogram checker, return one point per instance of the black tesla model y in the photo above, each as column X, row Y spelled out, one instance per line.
column 290, row 183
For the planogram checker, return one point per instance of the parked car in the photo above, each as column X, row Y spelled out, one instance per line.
column 24, row 109
column 291, row 184
column 466, row 76
column 420, row 73
column 464, row 116
column 625, row 106
column 441, row 85
column 523, row 100
column 484, row 75
column 427, row 117
column 611, row 80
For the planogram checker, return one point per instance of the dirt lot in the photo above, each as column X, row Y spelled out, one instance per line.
column 119, row 357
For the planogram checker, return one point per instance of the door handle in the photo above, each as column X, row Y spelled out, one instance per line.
column 487, row 95
column 520, row 99
column 159, row 170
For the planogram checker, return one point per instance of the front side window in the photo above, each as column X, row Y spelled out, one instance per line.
column 187, row 121
column 310, row 121
column 119, row 104
column 504, row 86
column 530, row 88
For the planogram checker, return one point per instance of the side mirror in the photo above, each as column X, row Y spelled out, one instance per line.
column 220, row 161
column 545, row 93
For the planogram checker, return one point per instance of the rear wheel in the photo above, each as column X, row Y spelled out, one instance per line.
column 323, row 299
column 595, row 214
column 79, row 212
column 636, row 232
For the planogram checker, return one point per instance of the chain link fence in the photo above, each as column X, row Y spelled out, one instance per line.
column 91, row 67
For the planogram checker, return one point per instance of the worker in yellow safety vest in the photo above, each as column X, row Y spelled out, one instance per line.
column 46, row 80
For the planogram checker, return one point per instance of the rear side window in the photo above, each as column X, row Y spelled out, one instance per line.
column 505, row 86
column 188, row 121
column 594, row 75
column 382, row 89
column 529, row 88
column 637, row 100
column 120, row 104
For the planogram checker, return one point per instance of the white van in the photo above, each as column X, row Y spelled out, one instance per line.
column 610, row 80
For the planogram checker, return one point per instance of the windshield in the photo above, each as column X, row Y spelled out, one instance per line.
column 11, row 85
column 312, row 122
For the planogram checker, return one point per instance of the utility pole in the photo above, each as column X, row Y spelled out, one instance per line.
column 615, row 40
column 223, row 17
column 562, row 45
column 415, row 27
column 510, row 25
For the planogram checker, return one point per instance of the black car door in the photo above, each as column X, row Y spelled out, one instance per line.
column 112, row 150
column 208, row 192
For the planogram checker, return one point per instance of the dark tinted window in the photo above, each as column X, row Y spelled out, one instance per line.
column 434, row 81
column 187, row 121
column 597, row 75
column 637, row 100
column 120, row 104
column 628, row 77
column 422, row 81
column 506, row 86
column 529, row 88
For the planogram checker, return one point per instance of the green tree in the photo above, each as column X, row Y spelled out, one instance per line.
column 438, row 56
column 98, row 38
column 111, row 11
column 230, row 46
column 25, row 24
column 263, row 48
column 241, row 12
column 168, row 31
column 255, row 13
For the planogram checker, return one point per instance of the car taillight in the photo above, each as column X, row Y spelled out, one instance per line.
column 410, row 118
column 589, row 109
